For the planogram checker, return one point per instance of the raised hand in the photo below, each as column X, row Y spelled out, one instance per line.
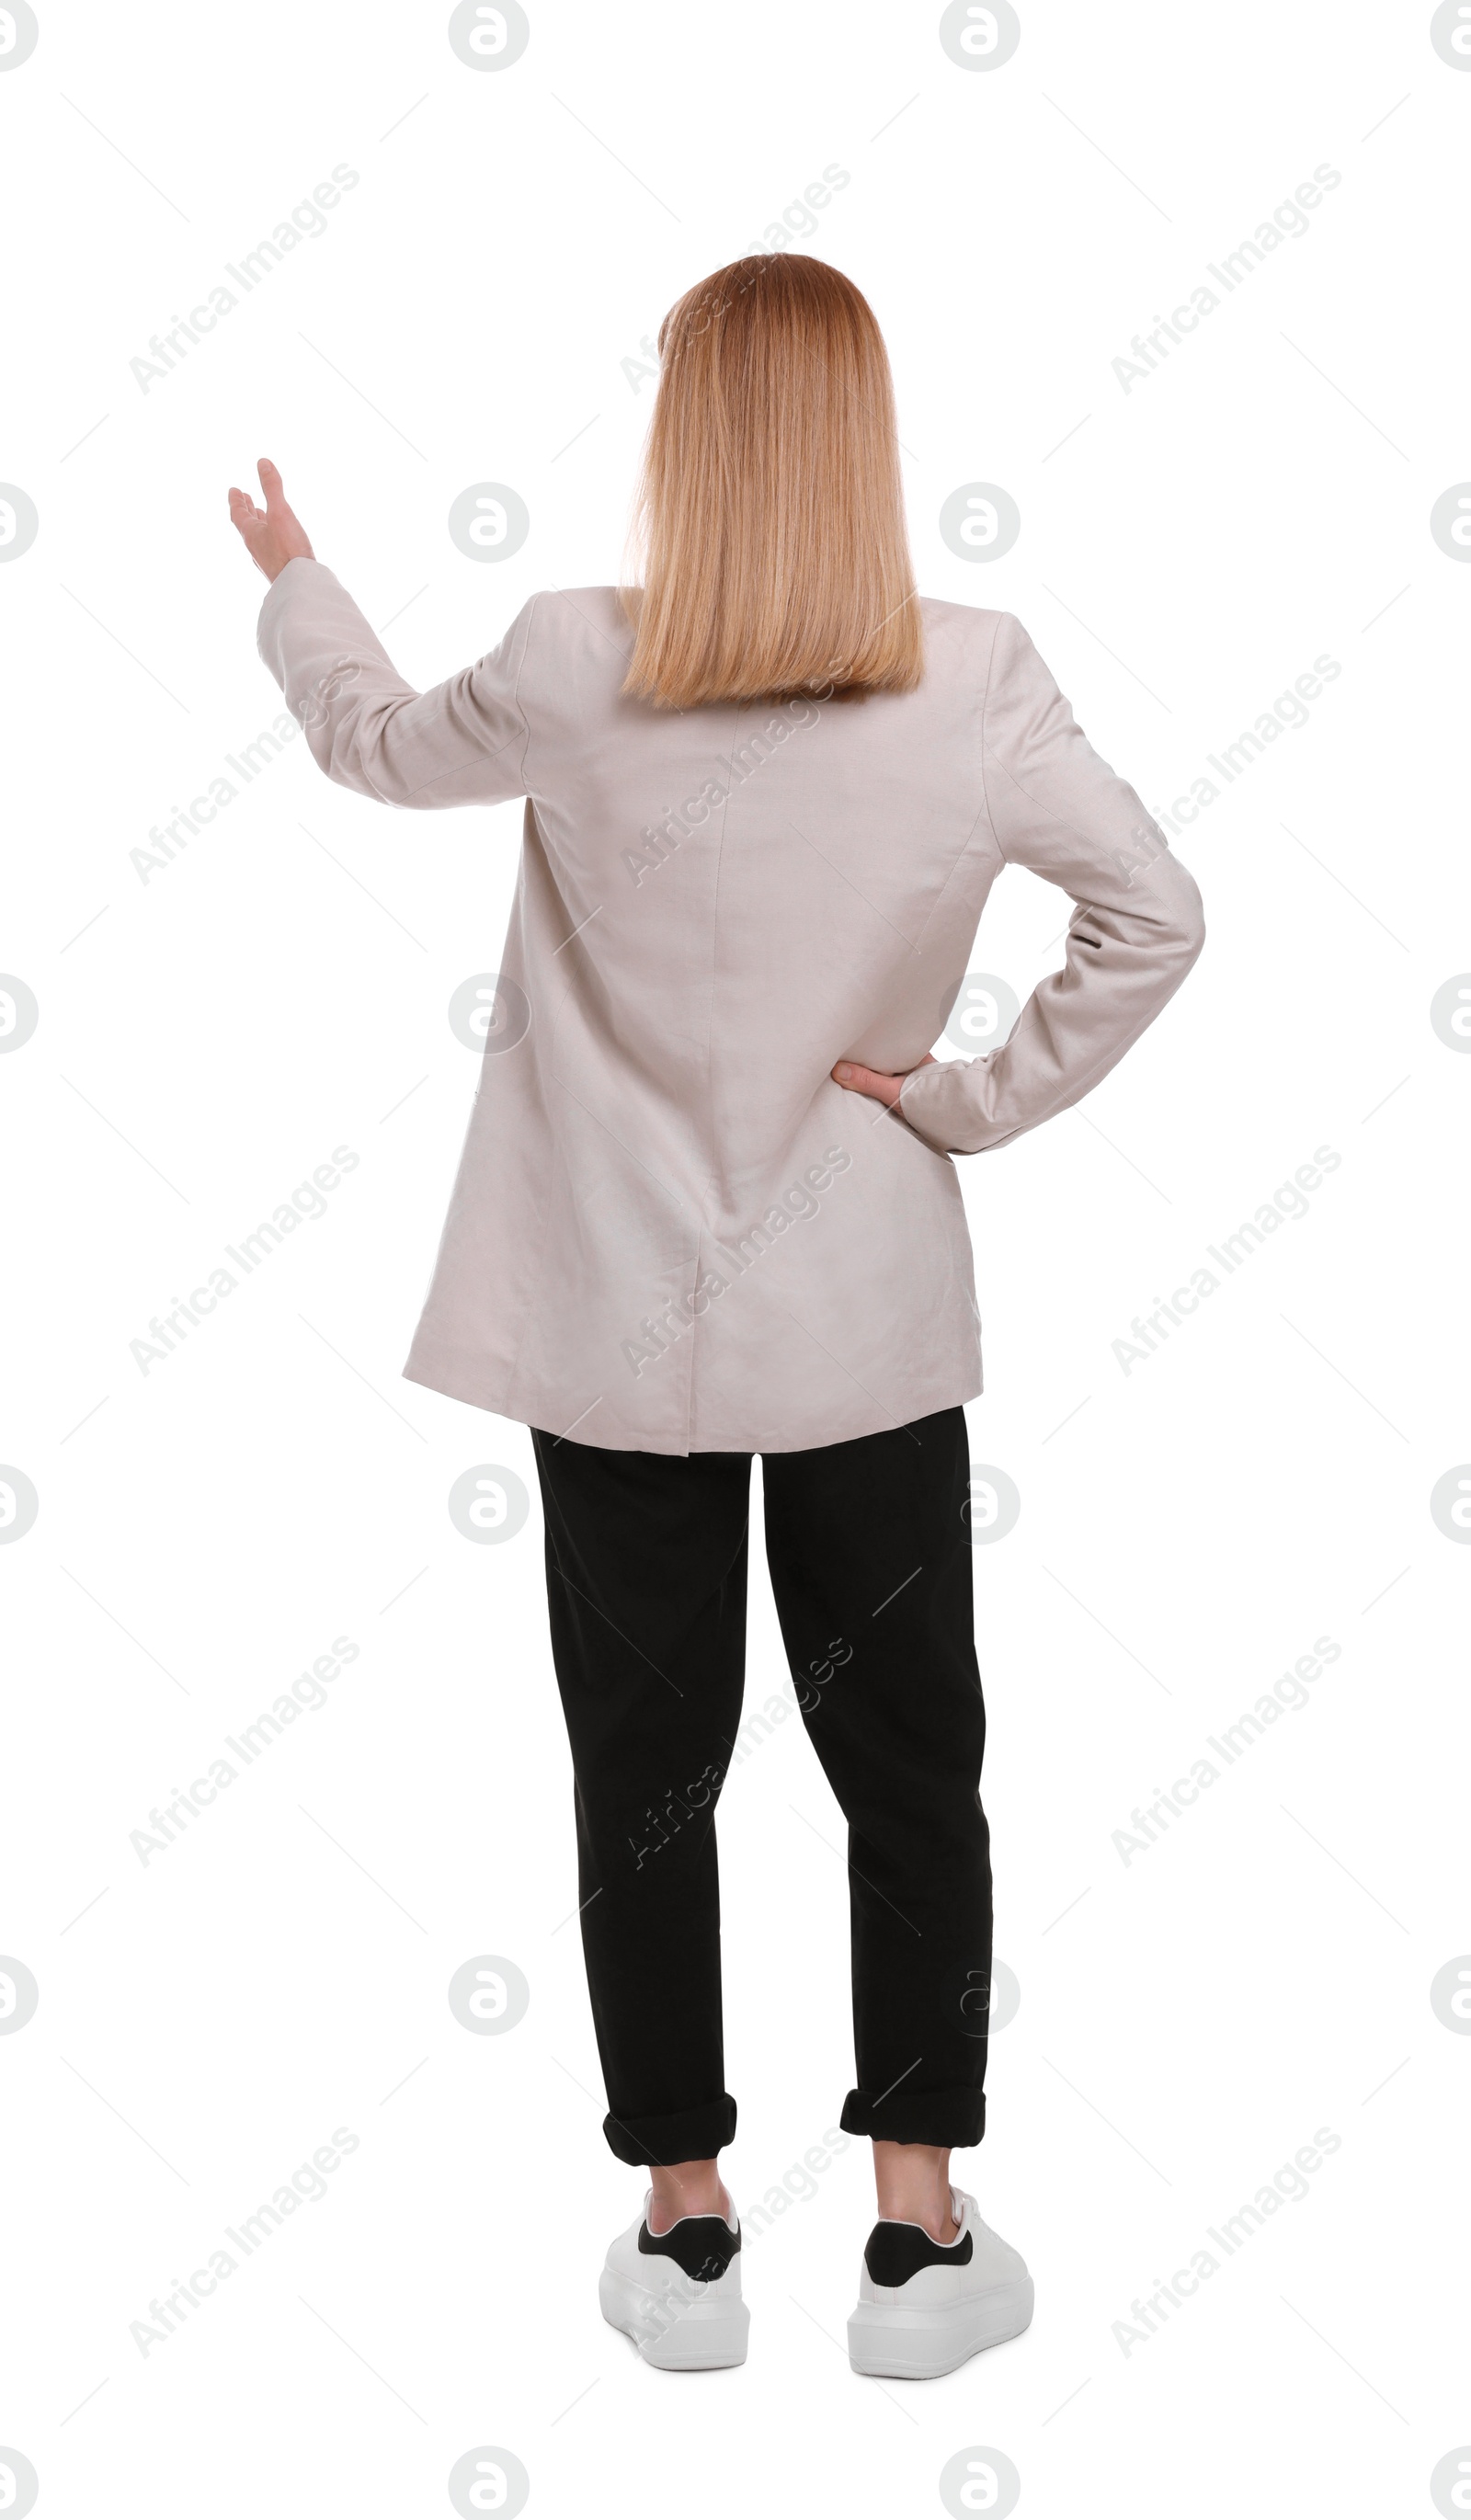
column 272, row 534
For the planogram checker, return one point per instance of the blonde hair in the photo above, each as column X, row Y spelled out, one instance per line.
column 770, row 517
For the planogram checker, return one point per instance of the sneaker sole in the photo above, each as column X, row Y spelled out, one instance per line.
column 707, row 2336
column 890, row 2342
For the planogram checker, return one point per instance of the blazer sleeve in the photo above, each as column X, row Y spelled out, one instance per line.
column 1137, row 928
column 462, row 744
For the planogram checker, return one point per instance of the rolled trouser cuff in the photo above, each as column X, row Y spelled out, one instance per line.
column 689, row 2134
column 953, row 2118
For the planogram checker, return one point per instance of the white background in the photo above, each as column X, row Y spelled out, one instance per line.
column 208, row 1036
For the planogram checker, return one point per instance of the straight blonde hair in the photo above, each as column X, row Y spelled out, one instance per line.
column 770, row 517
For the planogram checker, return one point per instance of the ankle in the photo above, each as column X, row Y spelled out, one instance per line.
column 913, row 2180
column 684, row 2188
column 937, row 2220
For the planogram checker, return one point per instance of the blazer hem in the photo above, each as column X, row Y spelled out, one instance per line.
column 482, row 1382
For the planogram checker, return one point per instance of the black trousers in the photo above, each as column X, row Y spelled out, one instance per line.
column 869, row 1548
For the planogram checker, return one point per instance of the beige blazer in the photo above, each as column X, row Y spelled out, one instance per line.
column 670, row 1231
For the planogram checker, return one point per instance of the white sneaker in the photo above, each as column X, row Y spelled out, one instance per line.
column 677, row 2293
column 923, row 2308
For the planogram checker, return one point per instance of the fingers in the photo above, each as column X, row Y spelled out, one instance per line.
column 867, row 1080
column 295, row 543
column 874, row 1082
column 248, row 522
column 253, row 528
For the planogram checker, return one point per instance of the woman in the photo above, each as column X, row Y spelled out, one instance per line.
column 707, row 1208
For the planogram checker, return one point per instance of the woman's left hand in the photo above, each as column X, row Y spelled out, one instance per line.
column 272, row 534
column 872, row 1080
